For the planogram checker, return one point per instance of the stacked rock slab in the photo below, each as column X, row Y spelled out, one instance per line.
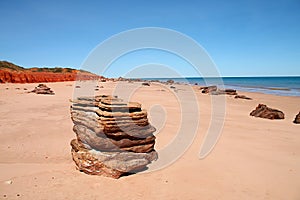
column 113, row 137
column 213, row 90
column 42, row 89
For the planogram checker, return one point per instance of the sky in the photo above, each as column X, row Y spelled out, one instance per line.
column 243, row 38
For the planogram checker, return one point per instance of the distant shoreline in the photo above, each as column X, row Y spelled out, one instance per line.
column 282, row 86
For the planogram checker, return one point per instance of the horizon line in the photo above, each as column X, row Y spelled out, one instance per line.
column 243, row 76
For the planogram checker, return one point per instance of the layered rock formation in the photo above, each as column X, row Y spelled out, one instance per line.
column 113, row 137
column 297, row 119
column 42, row 89
column 213, row 90
column 265, row 112
column 209, row 89
column 11, row 73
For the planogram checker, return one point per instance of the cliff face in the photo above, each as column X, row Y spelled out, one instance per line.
column 10, row 73
column 36, row 77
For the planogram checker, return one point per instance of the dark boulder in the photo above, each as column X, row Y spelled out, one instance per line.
column 146, row 84
column 230, row 92
column 297, row 119
column 263, row 111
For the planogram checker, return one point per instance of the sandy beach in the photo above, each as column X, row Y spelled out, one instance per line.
column 254, row 158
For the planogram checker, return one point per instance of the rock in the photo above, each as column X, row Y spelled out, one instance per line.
column 297, row 119
column 11, row 73
column 130, row 107
column 28, row 76
column 110, row 164
column 121, row 79
column 104, row 143
column 113, row 137
column 217, row 92
column 222, row 92
column 84, row 108
column 265, row 112
column 122, row 115
column 146, row 84
column 42, row 89
column 230, row 92
column 213, row 90
column 172, row 87
column 208, row 89
column 242, row 97
column 170, row 81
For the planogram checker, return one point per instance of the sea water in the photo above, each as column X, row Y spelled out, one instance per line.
column 283, row 86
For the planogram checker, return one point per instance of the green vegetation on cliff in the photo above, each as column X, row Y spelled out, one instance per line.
column 8, row 66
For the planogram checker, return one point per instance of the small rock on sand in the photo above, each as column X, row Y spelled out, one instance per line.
column 208, row 89
column 297, row 119
column 170, row 81
column 242, row 97
column 146, row 84
column 263, row 111
column 42, row 89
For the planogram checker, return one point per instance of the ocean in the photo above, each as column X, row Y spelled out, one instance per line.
column 283, row 86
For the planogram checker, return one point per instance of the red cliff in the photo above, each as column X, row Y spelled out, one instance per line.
column 10, row 73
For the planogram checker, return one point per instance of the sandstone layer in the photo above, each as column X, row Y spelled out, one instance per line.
column 11, row 73
column 42, row 89
column 113, row 137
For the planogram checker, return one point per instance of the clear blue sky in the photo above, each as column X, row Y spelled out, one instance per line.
column 244, row 38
